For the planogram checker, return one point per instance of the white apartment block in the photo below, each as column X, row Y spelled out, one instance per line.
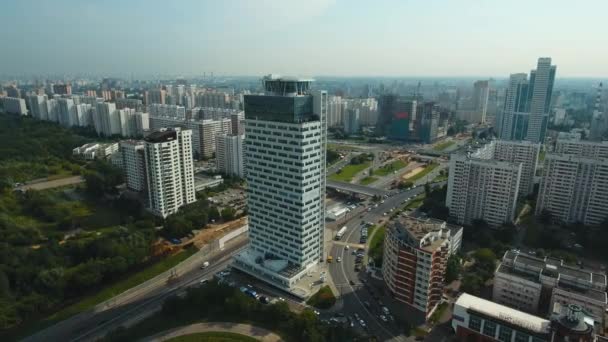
column 84, row 113
column 521, row 281
column 67, row 115
column 285, row 141
column 92, row 151
column 480, row 187
column 229, row 154
column 169, row 170
column 209, row 131
column 351, row 121
column 134, row 164
column 14, row 105
column 107, row 119
column 38, row 108
column 172, row 111
column 574, row 184
column 524, row 152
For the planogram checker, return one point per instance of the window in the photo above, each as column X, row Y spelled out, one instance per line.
column 521, row 337
column 505, row 334
column 475, row 323
column 489, row 328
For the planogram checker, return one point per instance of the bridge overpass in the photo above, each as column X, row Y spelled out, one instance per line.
column 355, row 188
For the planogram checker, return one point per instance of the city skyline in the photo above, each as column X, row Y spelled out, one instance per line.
column 334, row 38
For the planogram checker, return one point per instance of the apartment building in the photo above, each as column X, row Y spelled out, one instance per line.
column 415, row 258
column 134, row 164
column 574, row 184
column 169, row 170
column 229, row 154
column 14, row 105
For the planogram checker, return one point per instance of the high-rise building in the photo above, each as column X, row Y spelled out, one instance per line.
column 426, row 122
column 395, row 116
column 481, row 92
column 67, row 116
column 486, row 183
column 213, row 100
column 13, row 91
column 13, row 105
column 285, row 156
column 574, row 184
column 534, row 285
column 172, row 111
column 157, row 96
column 107, row 119
column 84, row 113
column 134, row 164
column 526, row 110
column 62, row 89
column 351, row 121
column 169, row 170
column 229, row 154
column 237, row 119
column 416, row 252
column 38, row 108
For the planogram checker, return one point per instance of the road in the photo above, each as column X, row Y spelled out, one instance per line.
column 50, row 184
column 93, row 324
column 354, row 297
column 260, row 334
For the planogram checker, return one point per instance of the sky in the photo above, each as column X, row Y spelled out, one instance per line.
column 488, row 38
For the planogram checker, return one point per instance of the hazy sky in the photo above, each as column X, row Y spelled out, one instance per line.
column 303, row 37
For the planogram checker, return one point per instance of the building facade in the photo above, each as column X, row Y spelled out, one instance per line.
column 285, row 141
column 14, row 105
column 415, row 259
column 574, row 184
column 134, row 164
column 229, row 155
column 351, row 121
column 170, row 171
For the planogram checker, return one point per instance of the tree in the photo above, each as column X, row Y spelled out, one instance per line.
column 453, row 269
column 545, row 217
column 228, row 214
column 214, row 214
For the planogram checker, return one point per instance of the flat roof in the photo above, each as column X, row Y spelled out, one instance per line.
column 161, row 136
column 504, row 313
column 589, row 293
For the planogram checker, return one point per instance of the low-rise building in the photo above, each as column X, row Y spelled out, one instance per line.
column 92, row 151
column 415, row 259
column 534, row 285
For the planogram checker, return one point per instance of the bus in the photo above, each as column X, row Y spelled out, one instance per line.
column 340, row 233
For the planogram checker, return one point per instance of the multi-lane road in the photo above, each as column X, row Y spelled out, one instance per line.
column 358, row 298
column 92, row 325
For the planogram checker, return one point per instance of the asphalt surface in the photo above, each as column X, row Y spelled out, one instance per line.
column 354, row 297
column 92, row 325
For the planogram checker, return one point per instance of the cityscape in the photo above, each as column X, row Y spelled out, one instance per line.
column 246, row 198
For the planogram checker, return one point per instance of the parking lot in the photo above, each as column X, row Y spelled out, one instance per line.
column 233, row 197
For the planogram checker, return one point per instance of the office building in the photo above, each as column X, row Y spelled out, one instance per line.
column 481, row 93
column 534, row 285
column 13, row 105
column 351, row 121
column 426, row 123
column 526, row 110
column 169, row 170
column 416, row 252
column 477, row 319
column 134, row 164
column 229, row 155
column 574, row 184
column 395, row 115
column 285, row 142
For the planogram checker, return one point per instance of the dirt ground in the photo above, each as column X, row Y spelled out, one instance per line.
column 413, row 172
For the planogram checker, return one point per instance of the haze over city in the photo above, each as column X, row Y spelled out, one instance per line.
column 316, row 37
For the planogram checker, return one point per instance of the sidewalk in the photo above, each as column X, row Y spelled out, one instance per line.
column 243, row 329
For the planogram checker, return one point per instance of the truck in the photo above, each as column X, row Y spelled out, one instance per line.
column 340, row 233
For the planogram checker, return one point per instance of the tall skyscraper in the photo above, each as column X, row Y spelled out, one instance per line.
column 481, row 92
column 285, row 156
column 526, row 111
column 169, row 170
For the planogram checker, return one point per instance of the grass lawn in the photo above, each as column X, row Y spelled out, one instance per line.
column 441, row 178
column 213, row 336
column 368, row 180
column 423, row 173
column 349, row 171
column 323, row 299
column 416, row 202
column 122, row 285
column 388, row 168
column 443, row 146
column 376, row 245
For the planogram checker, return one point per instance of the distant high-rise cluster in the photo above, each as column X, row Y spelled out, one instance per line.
column 404, row 119
column 525, row 114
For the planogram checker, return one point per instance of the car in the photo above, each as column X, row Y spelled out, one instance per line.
column 264, row 300
column 339, row 259
column 203, row 281
column 346, row 247
column 362, row 322
column 382, row 202
column 383, row 318
column 385, row 310
column 357, row 316
column 351, row 282
column 367, row 304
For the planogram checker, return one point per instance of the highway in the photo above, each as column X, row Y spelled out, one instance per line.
column 92, row 324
